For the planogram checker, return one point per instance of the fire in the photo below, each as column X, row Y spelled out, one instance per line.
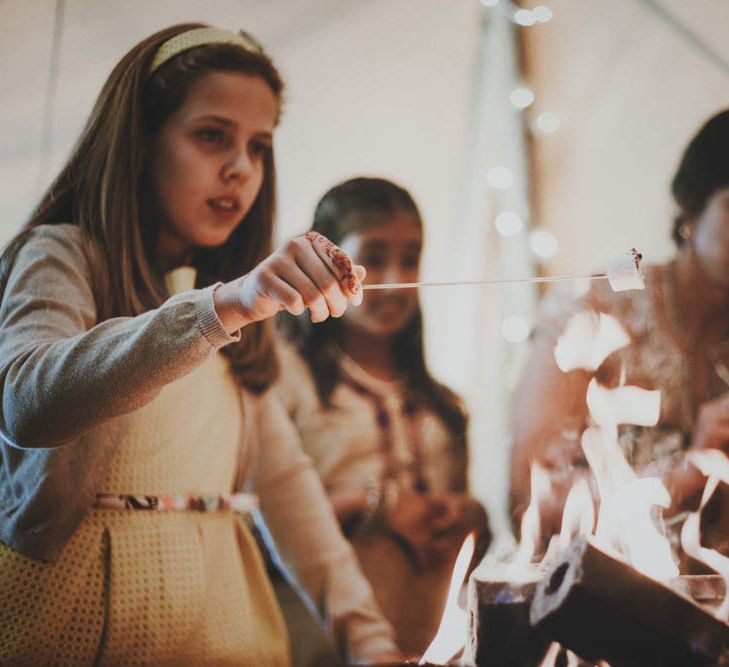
column 623, row 405
column 578, row 516
column 588, row 340
column 629, row 516
column 550, row 657
column 530, row 525
column 453, row 628
column 626, row 521
column 715, row 465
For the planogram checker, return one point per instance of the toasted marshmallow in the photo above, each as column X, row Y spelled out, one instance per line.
column 624, row 272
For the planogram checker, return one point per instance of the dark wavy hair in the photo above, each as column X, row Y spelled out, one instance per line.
column 103, row 189
column 704, row 169
column 347, row 208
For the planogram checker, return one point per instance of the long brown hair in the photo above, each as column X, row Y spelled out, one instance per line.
column 102, row 189
column 347, row 208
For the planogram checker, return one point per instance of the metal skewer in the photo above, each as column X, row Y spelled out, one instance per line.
column 508, row 281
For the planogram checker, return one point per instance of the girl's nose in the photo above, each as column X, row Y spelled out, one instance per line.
column 394, row 273
column 238, row 167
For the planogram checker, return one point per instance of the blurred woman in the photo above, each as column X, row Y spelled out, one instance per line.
column 679, row 331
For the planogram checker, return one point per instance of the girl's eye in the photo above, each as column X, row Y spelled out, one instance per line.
column 371, row 261
column 211, row 135
column 259, row 148
column 411, row 261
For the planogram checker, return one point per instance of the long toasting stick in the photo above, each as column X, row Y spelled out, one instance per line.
column 514, row 281
column 623, row 273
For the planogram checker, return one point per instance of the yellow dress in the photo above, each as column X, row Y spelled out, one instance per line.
column 140, row 587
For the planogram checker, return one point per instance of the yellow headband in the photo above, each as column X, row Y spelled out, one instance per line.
column 198, row 37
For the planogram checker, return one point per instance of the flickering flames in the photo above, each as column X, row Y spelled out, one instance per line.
column 626, row 519
column 715, row 465
column 453, row 629
column 550, row 657
column 629, row 519
column 520, row 568
column 578, row 517
column 588, row 340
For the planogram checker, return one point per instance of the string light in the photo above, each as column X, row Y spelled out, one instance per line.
column 508, row 223
column 514, row 329
column 548, row 122
column 500, row 177
column 544, row 244
column 522, row 97
column 542, row 13
column 524, row 17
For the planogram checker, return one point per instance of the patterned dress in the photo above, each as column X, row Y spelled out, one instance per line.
column 377, row 434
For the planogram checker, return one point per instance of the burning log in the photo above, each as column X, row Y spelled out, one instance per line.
column 602, row 608
column 500, row 634
column 706, row 589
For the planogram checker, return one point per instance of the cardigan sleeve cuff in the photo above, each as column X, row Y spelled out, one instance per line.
column 209, row 322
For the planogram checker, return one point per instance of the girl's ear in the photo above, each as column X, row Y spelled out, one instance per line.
column 685, row 229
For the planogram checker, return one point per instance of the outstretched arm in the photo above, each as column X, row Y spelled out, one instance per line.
column 63, row 373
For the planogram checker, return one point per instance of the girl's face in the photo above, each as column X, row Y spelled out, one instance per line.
column 390, row 250
column 711, row 237
column 206, row 162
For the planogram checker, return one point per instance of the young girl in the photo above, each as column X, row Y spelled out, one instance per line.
column 386, row 438
column 135, row 365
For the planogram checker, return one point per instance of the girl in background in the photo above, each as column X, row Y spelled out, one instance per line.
column 135, row 365
column 387, row 439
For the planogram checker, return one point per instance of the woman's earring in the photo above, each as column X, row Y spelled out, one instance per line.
column 685, row 231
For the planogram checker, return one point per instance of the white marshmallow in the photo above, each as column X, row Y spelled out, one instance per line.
column 624, row 272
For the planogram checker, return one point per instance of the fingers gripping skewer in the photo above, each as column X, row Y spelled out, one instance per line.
column 338, row 263
column 623, row 273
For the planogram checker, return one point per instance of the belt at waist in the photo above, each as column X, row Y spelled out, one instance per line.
column 236, row 502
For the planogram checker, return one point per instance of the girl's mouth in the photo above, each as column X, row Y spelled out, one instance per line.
column 225, row 204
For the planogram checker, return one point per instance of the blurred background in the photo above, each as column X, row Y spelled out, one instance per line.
column 539, row 138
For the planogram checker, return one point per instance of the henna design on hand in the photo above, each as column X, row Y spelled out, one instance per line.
column 339, row 258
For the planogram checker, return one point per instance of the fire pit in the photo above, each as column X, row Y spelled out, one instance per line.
column 602, row 608
column 500, row 634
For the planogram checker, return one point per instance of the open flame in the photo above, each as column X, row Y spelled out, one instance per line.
column 588, row 339
column 520, row 567
column 453, row 629
column 578, row 516
column 629, row 519
column 624, row 404
column 715, row 465
column 550, row 657
column 626, row 520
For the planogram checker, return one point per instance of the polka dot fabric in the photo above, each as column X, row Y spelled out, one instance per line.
column 53, row 614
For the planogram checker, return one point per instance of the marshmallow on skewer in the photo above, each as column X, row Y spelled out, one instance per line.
column 624, row 271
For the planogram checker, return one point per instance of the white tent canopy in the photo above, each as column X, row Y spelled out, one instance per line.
column 396, row 88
